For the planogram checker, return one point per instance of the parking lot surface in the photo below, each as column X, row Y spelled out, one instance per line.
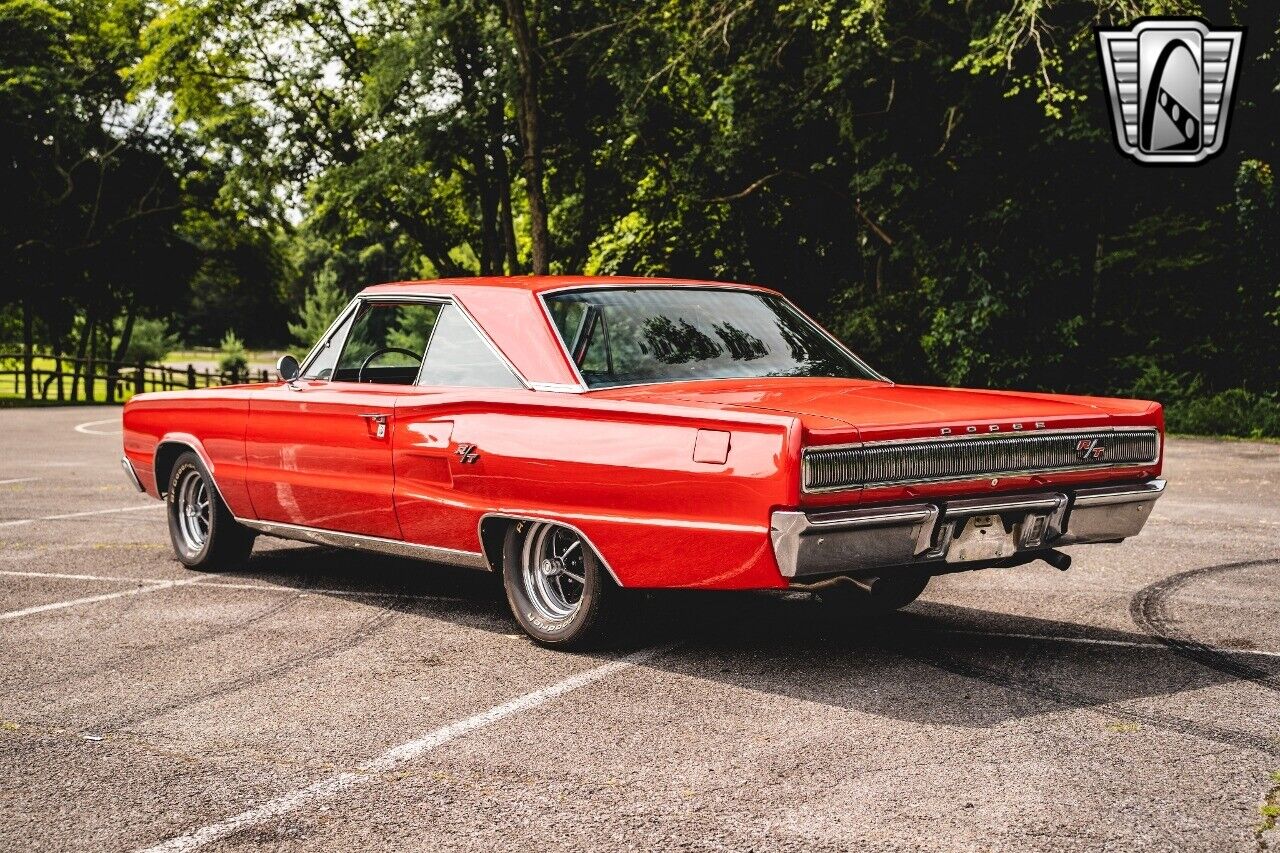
column 330, row 700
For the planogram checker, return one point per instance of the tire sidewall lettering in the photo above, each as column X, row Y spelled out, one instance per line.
column 543, row 625
column 172, row 499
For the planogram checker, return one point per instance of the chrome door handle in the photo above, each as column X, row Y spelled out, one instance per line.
column 378, row 418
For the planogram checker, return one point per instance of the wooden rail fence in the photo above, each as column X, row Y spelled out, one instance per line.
column 72, row 379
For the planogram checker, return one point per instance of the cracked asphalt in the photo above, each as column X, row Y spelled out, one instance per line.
column 327, row 700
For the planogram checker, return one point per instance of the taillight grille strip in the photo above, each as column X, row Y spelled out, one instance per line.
column 903, row 462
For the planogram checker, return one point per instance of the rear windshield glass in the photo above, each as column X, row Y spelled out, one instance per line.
column 624, row 336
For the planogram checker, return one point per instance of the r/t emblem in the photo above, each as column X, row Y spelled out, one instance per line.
column 466, row 454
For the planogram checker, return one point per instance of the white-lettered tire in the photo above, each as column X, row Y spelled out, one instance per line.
column 558, row 589
column 205, row 536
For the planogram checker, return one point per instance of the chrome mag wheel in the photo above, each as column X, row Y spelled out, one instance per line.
column 205, row 535
column 553, row 571
column 195, row 510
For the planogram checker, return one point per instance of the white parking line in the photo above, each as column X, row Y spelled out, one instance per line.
column 1094, row 641
column 260, row 587
column 18, row 521
column 18, row 480
column 60, row 605
column 394, row 757
column 87, row 427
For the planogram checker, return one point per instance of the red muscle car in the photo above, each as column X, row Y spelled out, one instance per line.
column 590, row 436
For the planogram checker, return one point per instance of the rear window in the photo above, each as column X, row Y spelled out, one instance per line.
column 627, row 336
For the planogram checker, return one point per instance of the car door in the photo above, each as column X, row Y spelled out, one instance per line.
column 443, row 472
column 319, row 449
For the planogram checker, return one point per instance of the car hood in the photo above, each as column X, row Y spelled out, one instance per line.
column 882, row 407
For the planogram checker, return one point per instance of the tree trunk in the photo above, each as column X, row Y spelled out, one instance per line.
column 487, row 192
column 59, row 349
column 505, row 214
column 1096, row 289
column 529, row 67
column 477, row 155
column 113, row 369
column 502, row 180
column 90, row 366
column 80, row 356
column 490, row 253
column 28, row 344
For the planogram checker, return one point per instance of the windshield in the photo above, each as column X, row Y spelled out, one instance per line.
column 626, row 336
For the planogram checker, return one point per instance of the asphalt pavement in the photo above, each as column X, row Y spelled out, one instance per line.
column 323, row 700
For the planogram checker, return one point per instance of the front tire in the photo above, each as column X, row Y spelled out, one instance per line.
column 558, row 589
column 205, row 535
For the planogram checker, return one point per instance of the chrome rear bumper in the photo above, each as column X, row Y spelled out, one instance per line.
column 131, row 474
column 858, row 540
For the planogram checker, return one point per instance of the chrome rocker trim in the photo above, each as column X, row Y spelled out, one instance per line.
column 394, row 547
column 859, row 540
column 131, row 474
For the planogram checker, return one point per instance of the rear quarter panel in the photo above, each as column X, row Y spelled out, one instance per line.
column 624, row 474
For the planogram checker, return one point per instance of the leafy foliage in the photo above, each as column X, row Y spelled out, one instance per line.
column 323, row 302
column 233, row 358
column 151, row 342
column 935, row 180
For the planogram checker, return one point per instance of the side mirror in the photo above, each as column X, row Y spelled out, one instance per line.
column 287, row 368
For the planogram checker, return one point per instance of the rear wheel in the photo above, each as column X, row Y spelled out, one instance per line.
column 205, row 535
column 559, row 591
column 884, row 596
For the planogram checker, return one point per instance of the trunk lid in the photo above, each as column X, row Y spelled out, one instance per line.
column 880, row 410
column 851, row 412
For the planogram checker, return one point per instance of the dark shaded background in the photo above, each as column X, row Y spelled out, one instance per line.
column 937, row 181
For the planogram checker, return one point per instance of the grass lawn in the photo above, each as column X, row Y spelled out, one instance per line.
column 13, row 382
column 13, row 387
column 257, row 358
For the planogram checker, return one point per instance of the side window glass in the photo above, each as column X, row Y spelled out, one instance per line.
column 583, row 328
column 386, row 342
column 321, row 367
column 459, row 357
column 568, row 318
column 595, row 348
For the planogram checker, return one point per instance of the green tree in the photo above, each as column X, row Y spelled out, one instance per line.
column 324, row 301
column 392, row 113
column 232, row 358
column 90, row 221
column 936, row 180
column 151, row 342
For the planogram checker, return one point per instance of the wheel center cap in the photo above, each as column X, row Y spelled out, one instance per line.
column 551, row 568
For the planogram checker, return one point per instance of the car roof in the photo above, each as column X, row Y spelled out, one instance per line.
column 545, row 283
column 510, row 311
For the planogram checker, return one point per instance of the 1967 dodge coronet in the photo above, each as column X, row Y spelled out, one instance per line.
column 590, row 436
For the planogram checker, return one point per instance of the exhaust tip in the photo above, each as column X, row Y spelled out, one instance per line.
column 1057, row 559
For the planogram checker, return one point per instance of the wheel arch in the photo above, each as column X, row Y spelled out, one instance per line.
column 493, row 528
column 166, row 456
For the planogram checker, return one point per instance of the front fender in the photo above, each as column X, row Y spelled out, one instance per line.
column 157, row 429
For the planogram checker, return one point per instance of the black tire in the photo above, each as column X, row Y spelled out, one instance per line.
column 594, row 604
column 885, row 596
column 211, row 540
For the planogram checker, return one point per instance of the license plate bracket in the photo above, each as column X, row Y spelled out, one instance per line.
column 981, row 537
